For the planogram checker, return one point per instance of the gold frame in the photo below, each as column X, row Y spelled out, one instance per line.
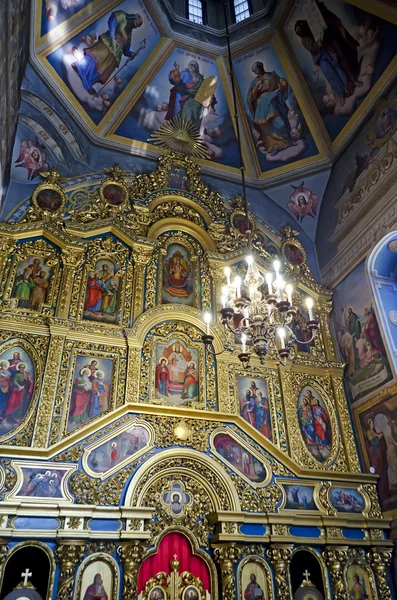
column 120, row 184
column 65, row 384
column 109, row 436
column 19, row 467
column 45, row 549
column 249, row 449
column 167, row 506
column 42, row 212
column 92, row 558
column 315, row 484
column 38, row 373
column 256, row 560
column 161, row 580
column 39, row 248
column 195, row 257
column 349, row 486
column 202, row 401
column 359, row 561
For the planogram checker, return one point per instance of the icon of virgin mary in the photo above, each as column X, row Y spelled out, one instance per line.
column 178, row 274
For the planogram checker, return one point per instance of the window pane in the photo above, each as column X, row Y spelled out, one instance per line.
column 241, row 10
column 195, row 11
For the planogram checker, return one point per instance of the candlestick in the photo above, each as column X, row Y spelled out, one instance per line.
column 281, row 335
column 288, row 289
column 280, row 284
column 237, row 285
column 227, row 272
column 309, row 304
column 269, row 279
column 207, row 319
column 244, row 341
column 223, row 301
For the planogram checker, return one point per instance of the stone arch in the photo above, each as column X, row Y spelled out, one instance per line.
column 382, row 274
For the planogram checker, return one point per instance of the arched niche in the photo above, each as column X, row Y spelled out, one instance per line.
column 36, row 558
column 382, row 273
column 307, row 565
column 359, row 579
column 97, row 573
column 254, row 576
column 175, row 566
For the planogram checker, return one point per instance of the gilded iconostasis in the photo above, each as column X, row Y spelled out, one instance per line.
column 138, row 460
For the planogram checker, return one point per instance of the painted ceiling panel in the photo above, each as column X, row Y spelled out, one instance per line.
column 342, row 54
column 163, row 99
column 93, row 69
column 56, row 12
column 277, row 125
column 302, row 199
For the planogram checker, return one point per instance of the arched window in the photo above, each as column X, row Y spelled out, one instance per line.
column 242, row 10
column 195, row 11
column 382, row 272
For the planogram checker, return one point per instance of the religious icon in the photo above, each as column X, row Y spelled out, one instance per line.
column 178, row 178
column 191, row 593
column 239, row 458
column 299, row 326
column 42, row 483
column 358, row 584
column 102, row 293
column 177, row 276
column 347, row 500
column 254, row 404
column 176, row 374
column 17, row 382
column 49, row 200
column 97, row 581
column 90, row 390
column 176, row 498
column 32, row 158
column 293, row 254
column 114, row 194
column 117, row 449
column 31, row 283
column 240, row 222
column 299, row 497
column 157, row 593
column 253, row 582
column 314, row 423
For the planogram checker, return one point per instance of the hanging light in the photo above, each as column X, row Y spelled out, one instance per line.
column 264, row 316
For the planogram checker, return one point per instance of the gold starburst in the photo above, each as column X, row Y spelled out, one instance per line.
column 180, row 135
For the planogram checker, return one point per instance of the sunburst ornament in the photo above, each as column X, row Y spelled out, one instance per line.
column 180, row 135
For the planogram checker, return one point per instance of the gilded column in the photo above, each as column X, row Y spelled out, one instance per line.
column 349, row 443
column 336, row 557
column 280, row 558
column 380, row 561
column 142, row 256
column 6, row 247
column 68, row 555
column 71, row 260
column 130, row 554
column 3, row 556
column 226, row 557
column 133, row 368
column 58, row 335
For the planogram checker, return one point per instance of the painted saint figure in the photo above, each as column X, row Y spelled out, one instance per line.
column 20, row 393
column 162, row 377
column 315, row 425
column 178, row 273
column 190, row 385
column 104, row 56
column 102, row 292
column 96, row 590
column 266, row 100
column 253, row 591
column 182, row 96
column 358, row 590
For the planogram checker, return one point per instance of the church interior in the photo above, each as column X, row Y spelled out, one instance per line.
column 198, row 300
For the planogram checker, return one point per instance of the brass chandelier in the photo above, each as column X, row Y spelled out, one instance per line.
column 265, row 314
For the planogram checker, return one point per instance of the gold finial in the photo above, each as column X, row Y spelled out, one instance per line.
column 175, row 564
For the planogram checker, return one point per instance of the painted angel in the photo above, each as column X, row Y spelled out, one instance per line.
column 303, row 202
column 32, row 157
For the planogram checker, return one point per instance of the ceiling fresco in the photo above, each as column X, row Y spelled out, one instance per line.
column 279, row 130
column 342, row 55
column 162, row 100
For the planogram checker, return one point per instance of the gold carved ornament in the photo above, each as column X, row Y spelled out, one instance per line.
column 227, row 556
column 380, row 561
column 68, row 555
column 336, row 558
column 280, row 558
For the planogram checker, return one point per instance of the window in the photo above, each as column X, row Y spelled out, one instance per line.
column 195, row 10
column 241, row 10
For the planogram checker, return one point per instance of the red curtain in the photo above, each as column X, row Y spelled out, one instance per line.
column 174, row 543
